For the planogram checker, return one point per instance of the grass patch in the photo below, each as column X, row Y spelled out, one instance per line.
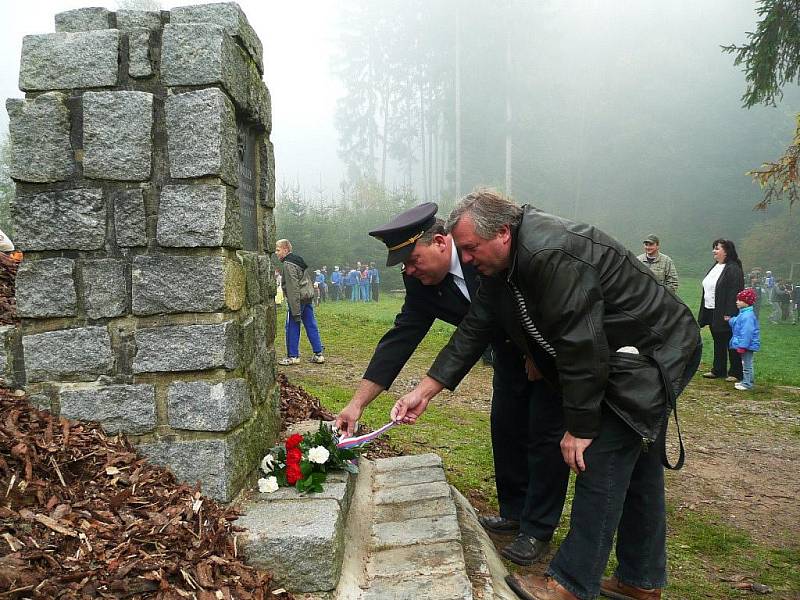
column 703, row 548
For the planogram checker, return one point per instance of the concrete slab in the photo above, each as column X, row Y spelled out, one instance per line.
column 446, row 557
column 399, row 478
column 301, row 542
column 416, row 461
column 412, row 493
column 433, row 507
column 415, row 531
column 451, row 587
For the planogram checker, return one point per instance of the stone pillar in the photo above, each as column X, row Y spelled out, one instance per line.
column 145, row 187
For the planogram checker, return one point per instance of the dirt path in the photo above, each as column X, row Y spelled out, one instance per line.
column 742, row 448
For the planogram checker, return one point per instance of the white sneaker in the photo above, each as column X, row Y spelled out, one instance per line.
column 317, row 358
column 289, row 360
column 740, row 386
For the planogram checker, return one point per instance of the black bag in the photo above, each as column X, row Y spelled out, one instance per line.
column 639, row 392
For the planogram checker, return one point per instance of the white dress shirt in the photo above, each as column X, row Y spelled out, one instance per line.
column 710, row 285
column 457, row 272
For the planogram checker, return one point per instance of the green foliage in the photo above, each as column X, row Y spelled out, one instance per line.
column 771, row 58
column 327, row 234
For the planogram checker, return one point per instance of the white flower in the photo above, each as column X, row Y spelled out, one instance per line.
column 267, row 485
column 268, row 463
column 319, row 455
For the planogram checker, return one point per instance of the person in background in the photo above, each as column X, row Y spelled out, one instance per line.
column 745, row 336
column 322, row 285
column 279, row 287
column 769, row 283
column 660, row 264
column 298, row 289
column 364, row 283
column 375, row 281
column 354, row 281
column 720, row 285
column 796, row 302
column 783, row 298
column 336, row 283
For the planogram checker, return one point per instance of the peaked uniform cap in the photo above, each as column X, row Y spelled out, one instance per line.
column 651, row 239
column 401, row 233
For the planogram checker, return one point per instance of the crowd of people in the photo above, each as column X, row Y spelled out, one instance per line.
column 361, row 283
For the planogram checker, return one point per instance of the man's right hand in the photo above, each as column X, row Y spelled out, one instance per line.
column 347, row 420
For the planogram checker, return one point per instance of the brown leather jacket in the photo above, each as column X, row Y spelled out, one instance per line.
column 588, row 296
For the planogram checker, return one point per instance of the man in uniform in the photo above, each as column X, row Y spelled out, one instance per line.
column 526, row 421
column 617, row 344
column 660, row 264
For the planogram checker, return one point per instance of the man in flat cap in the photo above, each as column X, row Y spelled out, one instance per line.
column 526, row 422
column 660, row 264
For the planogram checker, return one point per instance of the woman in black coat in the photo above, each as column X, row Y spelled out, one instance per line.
column 721, row 284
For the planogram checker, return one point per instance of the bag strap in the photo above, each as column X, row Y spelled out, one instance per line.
column 672, row 407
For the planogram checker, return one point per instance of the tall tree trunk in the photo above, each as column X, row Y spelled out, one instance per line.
column 422, row 140
column 385, row 140
column 509, row 79
column 458, row 103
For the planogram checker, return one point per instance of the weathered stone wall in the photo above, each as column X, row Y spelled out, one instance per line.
column 145, row 188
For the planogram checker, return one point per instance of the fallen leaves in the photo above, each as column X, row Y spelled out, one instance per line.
column 83, row 515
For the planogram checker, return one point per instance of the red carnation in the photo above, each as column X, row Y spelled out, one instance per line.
column 293, row 456
column 293, row 473
column 294, row 441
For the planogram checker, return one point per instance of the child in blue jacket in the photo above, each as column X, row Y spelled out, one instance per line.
column 745, row 338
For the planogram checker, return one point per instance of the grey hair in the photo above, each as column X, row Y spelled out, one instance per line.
column 489, row 209
column 284, row 244
column 437, row 228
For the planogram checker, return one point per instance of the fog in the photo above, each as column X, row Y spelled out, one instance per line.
column 625, row 114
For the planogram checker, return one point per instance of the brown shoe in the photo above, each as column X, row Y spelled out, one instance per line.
column 614, row 588
column 537, row 587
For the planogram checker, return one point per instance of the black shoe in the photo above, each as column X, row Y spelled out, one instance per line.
column 525, row 550
column 499, row 525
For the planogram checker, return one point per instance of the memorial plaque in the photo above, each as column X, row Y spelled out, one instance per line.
column 247, row 187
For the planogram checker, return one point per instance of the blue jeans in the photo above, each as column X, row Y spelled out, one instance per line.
column 622, row 491
column 293, row 331
column 365, row 292
column 355, row 294
column 747, row 368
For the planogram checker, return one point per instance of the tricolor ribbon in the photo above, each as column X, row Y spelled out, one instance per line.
column 360, row 440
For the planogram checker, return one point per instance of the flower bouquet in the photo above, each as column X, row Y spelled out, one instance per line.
column 303, row 461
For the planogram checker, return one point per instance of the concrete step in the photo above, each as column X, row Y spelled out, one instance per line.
column 299, row 537
column 396, row 531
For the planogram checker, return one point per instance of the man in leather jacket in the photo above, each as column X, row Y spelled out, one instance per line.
column 573, row 297
column 526, row 423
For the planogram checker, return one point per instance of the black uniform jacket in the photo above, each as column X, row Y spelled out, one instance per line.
column 588, row 296
column 423, row 304
column 729, row 284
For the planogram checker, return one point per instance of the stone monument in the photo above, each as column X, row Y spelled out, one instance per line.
column 144, row 194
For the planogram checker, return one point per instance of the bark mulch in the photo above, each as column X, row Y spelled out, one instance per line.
column 82, row 515
column 8, row 274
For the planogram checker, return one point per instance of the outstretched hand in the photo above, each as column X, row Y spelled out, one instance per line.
column 347, row 420
column 408, row 409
